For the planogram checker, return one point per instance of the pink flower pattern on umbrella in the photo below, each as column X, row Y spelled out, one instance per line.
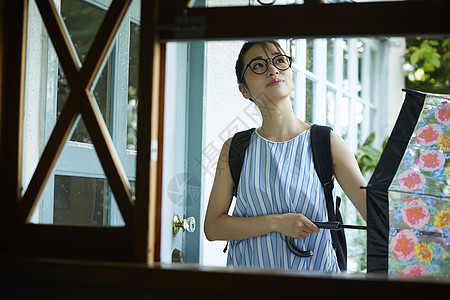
column 411, row 180
column 415, row 214
column 428, row 134
column 431, row 160
column 403, row 245
column 442, row 114
column 415, row 270
column 419, row 199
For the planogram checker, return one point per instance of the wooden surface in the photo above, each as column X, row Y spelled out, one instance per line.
column 194, row 279
column 397, row 18
column 94, row 243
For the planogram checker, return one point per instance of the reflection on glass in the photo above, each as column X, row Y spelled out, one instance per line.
column 77, row 192
column 102, row 94
column 80, row 201
column 85, row 201
column 77, row 15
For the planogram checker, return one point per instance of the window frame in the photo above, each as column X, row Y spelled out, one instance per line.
column 49, row 240
column 91, row 167
column 142, row 237
column 318, row 76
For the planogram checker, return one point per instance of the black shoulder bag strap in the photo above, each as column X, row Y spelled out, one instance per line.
column 323, row 163
column 239, row 144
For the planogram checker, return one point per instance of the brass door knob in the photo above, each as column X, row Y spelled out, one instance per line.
column 187, row 224
column 177, row 256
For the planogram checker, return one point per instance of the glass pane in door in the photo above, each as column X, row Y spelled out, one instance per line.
column 82, row 21
column 80, row 201
column 77, row 192
column 102, row 95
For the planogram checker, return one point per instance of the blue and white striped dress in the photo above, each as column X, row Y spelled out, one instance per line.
column 277, row 178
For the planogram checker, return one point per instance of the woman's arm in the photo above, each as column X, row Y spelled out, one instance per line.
column 348, row 173
column 220, row 226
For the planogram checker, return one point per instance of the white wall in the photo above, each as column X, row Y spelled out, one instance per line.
column 34, row 104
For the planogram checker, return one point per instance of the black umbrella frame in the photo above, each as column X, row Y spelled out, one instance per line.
column 377, row 188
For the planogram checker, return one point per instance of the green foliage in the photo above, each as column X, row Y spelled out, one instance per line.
column 427, row 65
column 367, row 155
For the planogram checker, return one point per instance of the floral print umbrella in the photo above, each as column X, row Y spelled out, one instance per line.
column 408, row 195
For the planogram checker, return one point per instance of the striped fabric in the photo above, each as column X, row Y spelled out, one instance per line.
column 277, row 178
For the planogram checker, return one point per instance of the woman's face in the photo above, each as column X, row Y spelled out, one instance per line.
column 274, row 84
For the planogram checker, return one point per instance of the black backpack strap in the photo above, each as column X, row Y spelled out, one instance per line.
column 239, row 144
column 323, row 163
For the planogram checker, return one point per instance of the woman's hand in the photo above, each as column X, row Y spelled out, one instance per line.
column 294, row 225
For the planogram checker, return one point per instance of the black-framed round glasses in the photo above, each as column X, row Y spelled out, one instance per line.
column 259, row 65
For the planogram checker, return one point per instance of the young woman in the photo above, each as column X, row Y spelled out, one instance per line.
column 279, row 193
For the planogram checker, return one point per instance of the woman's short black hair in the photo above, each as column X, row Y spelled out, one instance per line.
column 240, row 61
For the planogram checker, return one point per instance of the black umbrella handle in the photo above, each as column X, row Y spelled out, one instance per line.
column 332, row 225
column 335, row 225
column 294, row 250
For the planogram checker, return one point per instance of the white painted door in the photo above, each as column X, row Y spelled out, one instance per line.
column 182, row 147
